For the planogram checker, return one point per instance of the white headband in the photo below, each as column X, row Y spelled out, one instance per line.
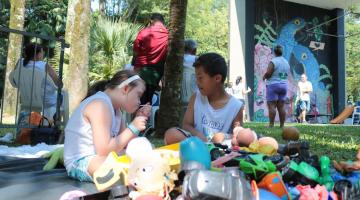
column 129, row 80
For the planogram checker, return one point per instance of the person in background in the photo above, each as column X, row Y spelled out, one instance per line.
column 150, row 50
column 190, row 52
column 305, row 88
column 240, row 92
column 276, row 86
column 229, row 88
column 188, row 82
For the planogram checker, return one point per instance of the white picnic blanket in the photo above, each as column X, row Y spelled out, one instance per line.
column 27, row 151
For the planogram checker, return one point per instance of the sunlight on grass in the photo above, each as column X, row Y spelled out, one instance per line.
column 336, row 141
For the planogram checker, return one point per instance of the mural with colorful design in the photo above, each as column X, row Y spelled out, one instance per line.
column 306, row 52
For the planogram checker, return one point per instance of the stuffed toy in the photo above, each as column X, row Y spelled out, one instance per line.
column 347, row 167
column 149, row 173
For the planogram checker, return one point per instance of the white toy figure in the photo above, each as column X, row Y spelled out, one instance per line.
column 149, row 173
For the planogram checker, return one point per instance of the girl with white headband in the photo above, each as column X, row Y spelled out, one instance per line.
column 96, row 127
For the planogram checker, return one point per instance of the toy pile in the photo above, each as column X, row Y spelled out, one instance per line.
column 254, row 167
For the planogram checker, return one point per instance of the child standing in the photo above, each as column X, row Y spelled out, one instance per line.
column 211, row 113
column 96, row 127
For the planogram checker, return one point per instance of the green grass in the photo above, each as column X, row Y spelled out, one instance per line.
column 339, row 142
column 336, row 141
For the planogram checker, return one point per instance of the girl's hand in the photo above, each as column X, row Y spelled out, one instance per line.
column 144, row 110
column 140, row 122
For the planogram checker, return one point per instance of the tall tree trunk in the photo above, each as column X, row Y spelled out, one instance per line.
column 17, row 16
column 77, row 34
column 170, row 106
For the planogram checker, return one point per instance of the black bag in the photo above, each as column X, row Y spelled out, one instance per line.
column 46, row 134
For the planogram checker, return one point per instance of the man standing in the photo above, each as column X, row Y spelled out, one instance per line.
column 150, row 49
column 305, row 88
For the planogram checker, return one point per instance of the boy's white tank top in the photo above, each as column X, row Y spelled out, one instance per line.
column 209, row 121
column 78, row 134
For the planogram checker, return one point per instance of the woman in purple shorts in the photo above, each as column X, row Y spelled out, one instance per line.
column 276, row 86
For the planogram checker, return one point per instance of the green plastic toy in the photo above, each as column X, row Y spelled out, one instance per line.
column 255, row 166
column 56, row 156
column 302, row 173
column 325, row 178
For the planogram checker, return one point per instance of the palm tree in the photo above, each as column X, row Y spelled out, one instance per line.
column 170, row 107
column 17, row 16
column 110, row 47
column 77, row 35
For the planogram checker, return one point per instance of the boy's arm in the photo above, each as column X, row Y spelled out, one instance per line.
column 188, row 121
column 238, row 120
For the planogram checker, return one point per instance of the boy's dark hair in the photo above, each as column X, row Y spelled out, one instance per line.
column 31, row 50
column 157, row 17
column 278, row 50
column 115, row 81
column 213, row 64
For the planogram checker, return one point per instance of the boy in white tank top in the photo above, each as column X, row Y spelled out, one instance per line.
column 211, row 113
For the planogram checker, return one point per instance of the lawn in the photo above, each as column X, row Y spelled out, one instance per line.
column 336, row 141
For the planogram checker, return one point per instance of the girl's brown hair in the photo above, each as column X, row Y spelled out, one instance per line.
column 115, row 81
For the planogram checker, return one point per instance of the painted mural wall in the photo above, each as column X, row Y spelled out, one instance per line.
column 307, row 51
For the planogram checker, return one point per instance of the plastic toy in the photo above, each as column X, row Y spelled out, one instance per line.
column 149, row 173
column 205, row 184
column 115, row 168
column 345, row 190
column 264, row 141
column 353, row 177
column 325, row 178
column 273, row 183
column 348, row 166
column 255, row 167
column 243, row 137
column 256, row 147
column 215, row 152
column 194, row 152
column 307, row 192
column 149, row 197
column 302, row 173
column 56, row 157
column 298, row 151
column 290, row 133
column 264, row 194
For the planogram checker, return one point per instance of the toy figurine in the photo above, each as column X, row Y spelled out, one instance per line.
column 346, row 167
column 149, row 173
column 243, row 137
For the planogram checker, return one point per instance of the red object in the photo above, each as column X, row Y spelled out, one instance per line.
column 150, row 45
column 273, row 183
